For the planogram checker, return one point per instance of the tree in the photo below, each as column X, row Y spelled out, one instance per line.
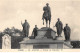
column 12, row 31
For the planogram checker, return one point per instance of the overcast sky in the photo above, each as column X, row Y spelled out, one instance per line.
column 12, row 12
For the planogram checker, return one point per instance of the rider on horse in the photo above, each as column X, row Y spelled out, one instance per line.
column 47, row 14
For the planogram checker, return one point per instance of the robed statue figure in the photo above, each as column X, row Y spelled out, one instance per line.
column 59, row 27
column 67, row 32
column 35, row 31
column 26, row 27
column 46, row 14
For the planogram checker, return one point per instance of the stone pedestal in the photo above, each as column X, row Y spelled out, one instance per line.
column 46, row 32
column 25, row 39
column 44, row 44
column 45, row 40
column 59, row 38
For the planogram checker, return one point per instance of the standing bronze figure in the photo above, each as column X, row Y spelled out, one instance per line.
column 67, row 32
column 35, row 31
column 26, row 27
column 59, row 27
column 47, row 14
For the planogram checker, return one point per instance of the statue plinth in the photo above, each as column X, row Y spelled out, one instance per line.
column 44, row 40
column 46, row 32
column 26, row 38
column 59, row 38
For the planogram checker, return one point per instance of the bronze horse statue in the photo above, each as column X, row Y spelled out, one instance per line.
column 47, row 15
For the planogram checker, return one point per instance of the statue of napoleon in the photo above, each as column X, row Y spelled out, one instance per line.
column 26, row 27
column 46, row 14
